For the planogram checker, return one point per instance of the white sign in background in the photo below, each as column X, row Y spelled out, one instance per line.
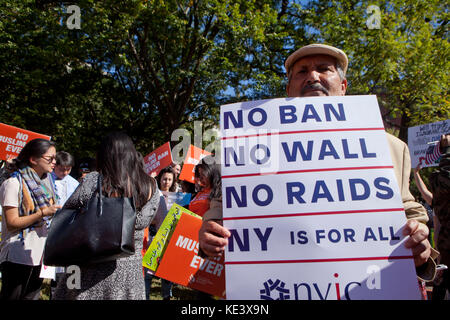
column 312, row 203
column 421, row 138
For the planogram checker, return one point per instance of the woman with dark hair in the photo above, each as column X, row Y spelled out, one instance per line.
column 167, row 179
column 28, row 200
column 208, row 179
column 122, row 169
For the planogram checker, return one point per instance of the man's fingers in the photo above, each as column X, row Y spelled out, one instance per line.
column 410, row 227
column 213, row 238
column 421, row 252
column 417, row 241
column 212, row 251
column 217, row 229
column 421, row 249
column 213, row 245
column 417, row 233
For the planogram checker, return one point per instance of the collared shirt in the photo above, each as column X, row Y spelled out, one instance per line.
column 64, row 187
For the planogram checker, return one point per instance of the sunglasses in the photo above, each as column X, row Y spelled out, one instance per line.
column 49, row 159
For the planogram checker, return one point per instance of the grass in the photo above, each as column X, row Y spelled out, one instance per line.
column 179, row 292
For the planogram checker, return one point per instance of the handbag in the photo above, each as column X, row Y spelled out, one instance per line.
column 102, row 230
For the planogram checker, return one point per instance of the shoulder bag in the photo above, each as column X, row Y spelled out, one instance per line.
column 101, row 231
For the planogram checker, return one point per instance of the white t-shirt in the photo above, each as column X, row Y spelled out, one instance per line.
column 12, row 248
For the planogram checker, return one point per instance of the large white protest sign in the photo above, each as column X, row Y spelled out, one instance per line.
column 312, row 203
column 423, row 140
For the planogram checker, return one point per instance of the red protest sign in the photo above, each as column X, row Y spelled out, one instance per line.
column 13, row 139
column 181, row 263
column 158, row 159
column 193, row 157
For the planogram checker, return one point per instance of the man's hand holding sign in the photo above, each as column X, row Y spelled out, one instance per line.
column 315, row 192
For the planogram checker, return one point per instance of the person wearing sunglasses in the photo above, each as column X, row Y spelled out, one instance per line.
column 28, row 201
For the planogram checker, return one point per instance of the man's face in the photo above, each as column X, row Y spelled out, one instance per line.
column 62, row 171
column 315, row 75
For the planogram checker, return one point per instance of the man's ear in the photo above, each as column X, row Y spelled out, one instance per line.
column 288, row 86
column 344, row 86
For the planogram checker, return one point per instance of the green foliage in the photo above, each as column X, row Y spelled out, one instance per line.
column 405, row 61
column 145, row 67
column 151, row 66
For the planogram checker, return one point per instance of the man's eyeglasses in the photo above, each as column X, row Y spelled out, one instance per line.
column 49, row 159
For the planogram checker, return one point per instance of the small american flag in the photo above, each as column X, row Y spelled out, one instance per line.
column 433, row 154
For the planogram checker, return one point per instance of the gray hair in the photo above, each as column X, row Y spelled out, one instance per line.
column 340, row 71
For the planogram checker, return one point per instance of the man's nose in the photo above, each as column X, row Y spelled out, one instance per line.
column 312, row 77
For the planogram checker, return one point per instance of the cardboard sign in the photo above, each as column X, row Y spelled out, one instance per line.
column 423, row 143
column 158, row 159
column 193, row 157
column 181, row 263
column 312, row 204
column 159, row 243
column 13, row 139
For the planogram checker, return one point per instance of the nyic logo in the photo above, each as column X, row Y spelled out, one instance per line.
column 277, row 289
column 281, row 293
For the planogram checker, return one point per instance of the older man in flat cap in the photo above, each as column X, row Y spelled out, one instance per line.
column 319, row 70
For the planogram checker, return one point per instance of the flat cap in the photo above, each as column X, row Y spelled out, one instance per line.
column 317, row 48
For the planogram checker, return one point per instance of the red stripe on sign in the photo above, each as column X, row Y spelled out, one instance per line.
column 321, row 260
column 313, row 213
column 304, row 171
column 299, row 132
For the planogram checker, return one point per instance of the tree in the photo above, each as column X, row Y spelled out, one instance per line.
column 405, row 61
column 46, row 84
column 181, row 56
column 146, row 67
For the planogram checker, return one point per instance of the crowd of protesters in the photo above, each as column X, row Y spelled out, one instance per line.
column 41, row 180
column 38, row 183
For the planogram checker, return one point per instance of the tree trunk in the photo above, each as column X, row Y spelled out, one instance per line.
column 404, row 124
